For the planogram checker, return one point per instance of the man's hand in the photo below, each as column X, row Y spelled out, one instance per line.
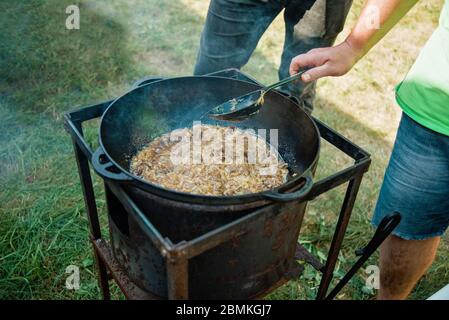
column 331, row 61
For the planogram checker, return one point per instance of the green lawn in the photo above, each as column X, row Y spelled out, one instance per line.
column 46, row 70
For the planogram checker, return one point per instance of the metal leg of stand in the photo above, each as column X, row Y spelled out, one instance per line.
column 177, row 276
column 92, row 214
column 340, row 230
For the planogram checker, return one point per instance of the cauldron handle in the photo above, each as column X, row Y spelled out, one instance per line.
column 275, row 195
column 105, row 168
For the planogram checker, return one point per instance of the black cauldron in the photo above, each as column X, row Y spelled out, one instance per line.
column 260, row 255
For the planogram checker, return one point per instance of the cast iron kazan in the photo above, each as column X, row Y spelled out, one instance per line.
column 234, row 270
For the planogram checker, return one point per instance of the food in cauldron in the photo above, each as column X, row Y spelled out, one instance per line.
column 211, row 160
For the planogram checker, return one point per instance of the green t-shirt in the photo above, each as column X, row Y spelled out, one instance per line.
column 424, row 93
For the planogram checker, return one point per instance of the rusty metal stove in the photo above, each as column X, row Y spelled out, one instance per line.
column 177, row 256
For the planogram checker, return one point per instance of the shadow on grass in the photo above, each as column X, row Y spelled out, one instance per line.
column 45, row 65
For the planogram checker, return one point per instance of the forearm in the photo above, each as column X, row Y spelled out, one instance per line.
column 384, row 13
column 376, row 19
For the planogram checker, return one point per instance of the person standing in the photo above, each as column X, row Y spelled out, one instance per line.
column 233, row 29
column 416, row 181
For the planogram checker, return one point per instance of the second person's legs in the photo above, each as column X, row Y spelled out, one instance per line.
column 231, row 33
column 304, row 31
column 402, row 264
column 416, row 184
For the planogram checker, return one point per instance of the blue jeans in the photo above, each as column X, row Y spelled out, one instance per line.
column 234, row 27
column 416, row 183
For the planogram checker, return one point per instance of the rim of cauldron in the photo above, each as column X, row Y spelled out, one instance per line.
column 208, row 199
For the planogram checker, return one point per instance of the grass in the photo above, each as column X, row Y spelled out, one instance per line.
column 46, row 70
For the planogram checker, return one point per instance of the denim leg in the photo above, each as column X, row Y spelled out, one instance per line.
column 231, row 33
column 416, row 182
column 303, row 32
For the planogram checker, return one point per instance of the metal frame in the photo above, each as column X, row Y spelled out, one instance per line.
column 177, row 255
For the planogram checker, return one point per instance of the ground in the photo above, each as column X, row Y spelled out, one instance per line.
column 47, row 69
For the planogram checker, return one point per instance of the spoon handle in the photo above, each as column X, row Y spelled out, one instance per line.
column 284, row 81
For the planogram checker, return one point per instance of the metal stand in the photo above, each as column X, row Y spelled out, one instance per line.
column 177, row 255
